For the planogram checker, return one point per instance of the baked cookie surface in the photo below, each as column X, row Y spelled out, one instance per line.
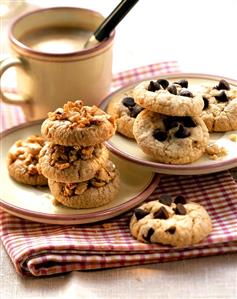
column 124, row 110
column 22, row 161
column 93, row 193
column 168, row 98
column 79, row 125
column 168, row 139
column 170, row 222
column 69, row 164
column 220, row 109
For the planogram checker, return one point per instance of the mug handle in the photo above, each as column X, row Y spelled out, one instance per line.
column 4, row 65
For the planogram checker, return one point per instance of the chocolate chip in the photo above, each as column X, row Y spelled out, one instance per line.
column 172, row 89
column 186, row 93
column 161, row 213
column 134, row 111
column 223, row 85
column 206, row 103
column 180, row 199
column 171, row 230
column 180, row 209
column 163, row 82
column 128, row 102
column 183, row 83
column 166, row 199
column 160, row 135
column 140, row 213
column 149, row 234
column 153, row 86
column 188, row 122
column 222, row 97
column 170, row 122
column 182, row 132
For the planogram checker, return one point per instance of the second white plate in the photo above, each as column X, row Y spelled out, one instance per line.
column 128, row 149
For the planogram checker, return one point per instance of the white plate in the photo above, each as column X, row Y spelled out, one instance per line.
column 35, row 203
column 129, row 150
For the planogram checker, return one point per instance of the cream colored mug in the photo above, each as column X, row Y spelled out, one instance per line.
column 51, row 65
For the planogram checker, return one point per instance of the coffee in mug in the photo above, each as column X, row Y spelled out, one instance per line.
column 51, row 64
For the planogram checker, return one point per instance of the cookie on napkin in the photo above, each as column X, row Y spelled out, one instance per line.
column 170, row 221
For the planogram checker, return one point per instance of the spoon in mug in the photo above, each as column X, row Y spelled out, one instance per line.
column 108, row 25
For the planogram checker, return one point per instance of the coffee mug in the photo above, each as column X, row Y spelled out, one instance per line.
column 51, row 64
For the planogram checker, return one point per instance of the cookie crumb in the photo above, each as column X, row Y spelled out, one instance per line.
column 215, row 151
column 233, row 137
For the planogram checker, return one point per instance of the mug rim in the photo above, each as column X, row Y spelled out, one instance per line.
column 79, row 53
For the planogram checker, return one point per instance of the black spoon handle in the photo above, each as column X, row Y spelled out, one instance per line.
column 113, row 19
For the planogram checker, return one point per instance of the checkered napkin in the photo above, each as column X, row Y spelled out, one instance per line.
column 42, row 249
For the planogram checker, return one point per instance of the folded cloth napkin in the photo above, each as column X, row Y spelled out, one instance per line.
column 41, row 249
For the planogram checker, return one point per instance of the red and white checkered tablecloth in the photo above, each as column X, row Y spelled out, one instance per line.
column 42, row 249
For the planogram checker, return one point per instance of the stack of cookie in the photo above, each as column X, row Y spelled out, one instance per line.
column 75, row 159
column 170, row 128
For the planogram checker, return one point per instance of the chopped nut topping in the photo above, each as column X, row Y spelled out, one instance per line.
column 28, row 152
column 63, row 156
column 79, row 115
column 102, row 177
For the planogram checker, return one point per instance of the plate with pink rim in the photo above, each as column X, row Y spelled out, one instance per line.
column 36, row 203
column 128, row 149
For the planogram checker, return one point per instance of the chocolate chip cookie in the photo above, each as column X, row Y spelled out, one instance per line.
column 96, row 192
column 220, row 109
column 124, row 110
column 22, row 161
column 69, row 164
column 170, row 221
column 171, row 139
column 167, row 98
column 79, row 125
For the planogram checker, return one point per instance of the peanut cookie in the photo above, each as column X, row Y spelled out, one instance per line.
column 124, row 110
column 93, row 193
column 220, row 109
column 171, row 139
column 69, row 164
column 168, row 98
column 170, row 222
column 78, row 125
column 22, row 161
